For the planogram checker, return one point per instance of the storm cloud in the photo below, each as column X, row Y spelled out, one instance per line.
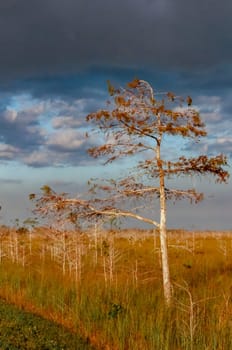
column 55, row 36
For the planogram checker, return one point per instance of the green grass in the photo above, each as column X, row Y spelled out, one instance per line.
column 23, row 330
column 110, row 289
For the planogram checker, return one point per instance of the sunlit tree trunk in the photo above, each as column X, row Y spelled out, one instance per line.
column 167, row 288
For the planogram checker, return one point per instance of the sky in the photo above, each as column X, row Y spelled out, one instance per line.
column 56, row 57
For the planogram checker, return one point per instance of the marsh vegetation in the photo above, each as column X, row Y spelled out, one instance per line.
column 107, row 286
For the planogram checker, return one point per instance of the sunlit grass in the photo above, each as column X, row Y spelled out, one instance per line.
column 109, row 288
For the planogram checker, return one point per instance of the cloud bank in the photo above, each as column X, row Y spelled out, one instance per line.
column 55, row 36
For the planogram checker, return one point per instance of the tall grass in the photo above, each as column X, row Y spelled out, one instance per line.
column 109, row 287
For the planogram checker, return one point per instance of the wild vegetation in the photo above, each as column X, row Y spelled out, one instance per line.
column 138, row 120
column 123, row 289
column 107, row 286
column 23, row 330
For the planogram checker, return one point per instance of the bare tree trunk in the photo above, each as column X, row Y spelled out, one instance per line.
column 167, row 287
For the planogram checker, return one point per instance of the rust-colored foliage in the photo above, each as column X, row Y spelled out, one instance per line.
column 140, row 116
column 139, row 113
column 190, row 166
column 189, row 100
column 138, row 122
column 133, row 84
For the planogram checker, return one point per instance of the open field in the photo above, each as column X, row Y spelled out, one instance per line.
column 107, row 286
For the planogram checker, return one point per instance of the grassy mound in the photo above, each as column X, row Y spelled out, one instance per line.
column 23, row 330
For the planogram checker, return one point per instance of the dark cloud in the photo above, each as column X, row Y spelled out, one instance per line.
column 39, row 37
column 20, row 129
column 51, row 131
column 62, row 53
column 57, row 156
column 45, row 133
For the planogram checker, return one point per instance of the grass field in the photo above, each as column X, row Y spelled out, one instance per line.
column 107, row 286
column 23, row 330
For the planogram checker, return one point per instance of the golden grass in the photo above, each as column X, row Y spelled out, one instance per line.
column 108, row 285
